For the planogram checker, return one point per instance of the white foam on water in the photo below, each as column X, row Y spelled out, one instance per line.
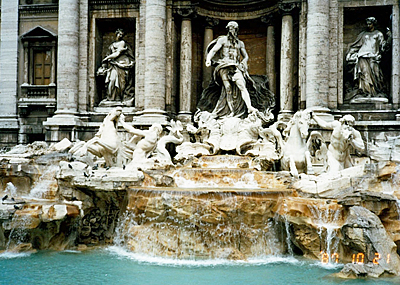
column 329, row 265
column 72, row 251
column 186, row 183
column 11, row 255
column 247, row 181
column 164, row 261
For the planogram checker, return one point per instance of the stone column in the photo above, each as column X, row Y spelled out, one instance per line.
column 208, row 37
column 68, row 57
column 270, row 55
column 317, row 61
column 185, row 82
column 286, row 77
column 67, row 74
column 155, row 59
column 8, row 72
column 185, row 77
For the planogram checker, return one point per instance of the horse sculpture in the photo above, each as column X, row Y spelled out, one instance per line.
column 106, row 142
column 175, row 137
column 296, row 156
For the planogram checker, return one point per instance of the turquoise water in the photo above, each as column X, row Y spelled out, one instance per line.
column 114, row 266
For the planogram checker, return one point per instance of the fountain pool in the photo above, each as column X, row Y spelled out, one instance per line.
column 113, row 265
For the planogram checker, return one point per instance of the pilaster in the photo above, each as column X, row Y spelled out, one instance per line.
column 8, row 72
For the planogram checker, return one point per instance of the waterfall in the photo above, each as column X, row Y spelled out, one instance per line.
column 18, row 231
column 326, row 219
column 196, row 225
column 220, row 208
column 46, row 186
column 11, row 190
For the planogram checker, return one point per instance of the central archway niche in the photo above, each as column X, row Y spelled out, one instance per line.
column 105, row 36
column 252, row 32
column 254, row 35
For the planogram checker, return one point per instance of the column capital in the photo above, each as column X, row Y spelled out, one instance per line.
column 211, row 22
column 287, row 8
column 185, row 12
column 269, row 20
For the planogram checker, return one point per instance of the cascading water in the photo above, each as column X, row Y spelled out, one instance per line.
column 326, row 219
column 186, row 225
column 283, row 219
column 213, row 213
column 46, row 186
column 389, row 187
column 11, row 190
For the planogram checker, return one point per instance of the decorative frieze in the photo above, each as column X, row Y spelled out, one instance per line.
column 103, row 4
column 112, row 2
column 38, row 8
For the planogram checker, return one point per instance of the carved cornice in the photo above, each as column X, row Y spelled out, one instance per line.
column 288, row 7
column 113, row 2
column 237, row 15
column 38, row 8
column 236, row 6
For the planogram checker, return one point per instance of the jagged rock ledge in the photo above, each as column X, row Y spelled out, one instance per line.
column 84, row 206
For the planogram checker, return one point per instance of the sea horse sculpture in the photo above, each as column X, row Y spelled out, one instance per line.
column 106, row 142
column 296, row 156
column 162, row 155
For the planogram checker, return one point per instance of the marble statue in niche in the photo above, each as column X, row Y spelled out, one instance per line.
column 364, row 56
column 233, row 92
column 118, row 69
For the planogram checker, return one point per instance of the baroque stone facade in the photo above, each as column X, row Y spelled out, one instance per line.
column 50, row 52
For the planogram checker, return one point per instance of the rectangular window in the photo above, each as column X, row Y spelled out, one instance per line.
column 41, row 67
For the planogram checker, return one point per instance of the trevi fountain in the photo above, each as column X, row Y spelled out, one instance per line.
column 234, row 193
